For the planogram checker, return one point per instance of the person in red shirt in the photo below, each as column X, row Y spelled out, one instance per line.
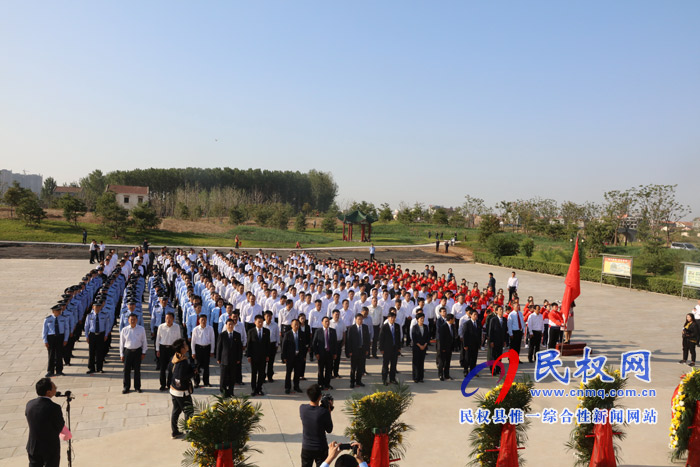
column 555, row 323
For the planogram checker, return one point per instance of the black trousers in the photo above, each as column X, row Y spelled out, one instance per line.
column 445, row 359
column 102, row 255
column 431, row 328
column 375, row 340
column 325, row 369
column 357, row 367
column 389, row 360
column 293, row 366
column 516, row 341
column 180, row 405
column 534, row 346
column 309, row 457
column 55, row 354
column 166, row 354
column 545, row 335
column 93, row 256
column 688, row 347
column 554, row 332
column 496, row 352
column 46, row 459
column 418, row 364
column 96, row 351
column 472, row 355
column 270, row 365
column 336, row 362
column 227, row 380
column 238, row 371
column 132, row 361
column 302, row 368
column 257, row 374
column 407, row 331
column 311, row 354
column 203, row 353
column 511, row 292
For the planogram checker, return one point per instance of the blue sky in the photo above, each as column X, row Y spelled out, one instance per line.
column 401, row 101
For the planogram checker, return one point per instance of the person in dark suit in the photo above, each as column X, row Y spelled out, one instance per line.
column 492, row 282
column 258, row 352
column 390, row 348
column 445, row 346
column 305, row 336
column 324, row 347
column 229, row 351
column 293, row 356
column 420, row 336
column 45, row 420
column 358, row 346
column 497, row 335
column 471, row 340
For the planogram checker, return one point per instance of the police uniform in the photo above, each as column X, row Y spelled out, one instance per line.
column 55, row 335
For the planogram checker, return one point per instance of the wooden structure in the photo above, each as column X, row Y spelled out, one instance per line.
column 357, row 218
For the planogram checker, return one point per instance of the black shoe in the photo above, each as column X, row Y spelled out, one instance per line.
column 330, row 387
column 253, row 394
column 298, row 390
column 442, row 379
column 176, row 435
column 393, row 382
column 125, row 391
column 450, row 378
column 386, row 384
column 68, row 364
column 139, row 391
column 102, row 371
column 60, row 373
column 302, row 378
column 162, row 388
column 352, row 386
column 287, row 391
column 261, row 393
column 270, row 379
column 361, row 384
column 49, row 375
column 89, row 372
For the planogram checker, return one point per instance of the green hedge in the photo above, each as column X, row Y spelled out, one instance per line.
column 652, row 284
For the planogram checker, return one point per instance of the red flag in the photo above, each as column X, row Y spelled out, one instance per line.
column 508, row 451
column 573, row 284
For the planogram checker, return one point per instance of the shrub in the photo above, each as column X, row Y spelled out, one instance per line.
column 300, row 222
column 29, row 210
column 527, row 246
column 329, row 223
column 503, row 245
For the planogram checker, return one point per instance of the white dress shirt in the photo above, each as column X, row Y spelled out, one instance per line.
column 202, row 336
column 515, row 318
column 132, row 338
column 535, row 322
column 167, row 335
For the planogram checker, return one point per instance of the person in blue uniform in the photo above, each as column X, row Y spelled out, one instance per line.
column 98, row 327
column 55, row 335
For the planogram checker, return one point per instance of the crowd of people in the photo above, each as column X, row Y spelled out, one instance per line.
column 234, row 307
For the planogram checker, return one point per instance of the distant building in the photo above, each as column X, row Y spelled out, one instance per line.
column 696, row 223
column 30, row 181
column 129, row 196
column 67, row 190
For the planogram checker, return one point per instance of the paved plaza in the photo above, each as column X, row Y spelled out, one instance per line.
column 111, row 429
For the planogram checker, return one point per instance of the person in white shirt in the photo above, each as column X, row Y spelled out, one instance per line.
column 376, row 317
column 287, row 315
column 249, row 311
column 512, row 286
column 274, row 343
column 347, row 314
column 516, row 328
column 334, row 305
column 165, row 337
column 535, row 327
column 132, row 350
column 339, row 326
column 202, row 349
column 459, row 309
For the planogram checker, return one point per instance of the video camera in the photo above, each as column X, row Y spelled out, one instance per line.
column 347, row 447
column 326, row 401
column 68, row 395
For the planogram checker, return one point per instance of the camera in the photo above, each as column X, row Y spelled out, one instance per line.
column 348, row 446
column 326, row 401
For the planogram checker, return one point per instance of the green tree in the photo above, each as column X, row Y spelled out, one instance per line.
column 329, row 222
column 457, row 220
column 598, row 233
column 30, row 211
column 501, row 244
column 280, row 217
column 489, row 226
column 440, row 216
column 114, row 217
column 145, row 217
column 236, row 215
column 365, row 208
column 14, row 196
column 472, row 208
column 182, row 211
column 655, row 257
column 93, row 187
column 323, row 189
column 385, row 213
column 300, row 222
column 47, row 191
column 527, row 246
column 658, row 205
column 262, row 214
column 72, row 208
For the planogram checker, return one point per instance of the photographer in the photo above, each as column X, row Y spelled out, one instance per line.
column 316, row 422
column 180, row 374
column 346, row 460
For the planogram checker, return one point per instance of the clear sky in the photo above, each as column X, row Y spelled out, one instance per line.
column 401, row 101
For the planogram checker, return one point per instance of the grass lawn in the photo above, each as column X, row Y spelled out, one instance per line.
column 392, row 233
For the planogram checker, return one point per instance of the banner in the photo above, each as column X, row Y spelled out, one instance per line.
column 617, row 266
column 691, row 275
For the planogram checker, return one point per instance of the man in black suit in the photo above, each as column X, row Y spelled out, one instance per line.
column 445, row 346
column 229, row 350
column 390, row 348
column 358, row 350
column 471, row 341
column 496, row 334
column 324, row 347
column 420, row 336
column 45, row 420
column 492, row 283
column 258, row 354
column 293, row 356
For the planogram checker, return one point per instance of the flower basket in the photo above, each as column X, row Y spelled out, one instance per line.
column 379, row 411
column 683, row 410
column 485, row 438
column 226, row 422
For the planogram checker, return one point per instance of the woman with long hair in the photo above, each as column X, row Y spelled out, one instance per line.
column 690, row 334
